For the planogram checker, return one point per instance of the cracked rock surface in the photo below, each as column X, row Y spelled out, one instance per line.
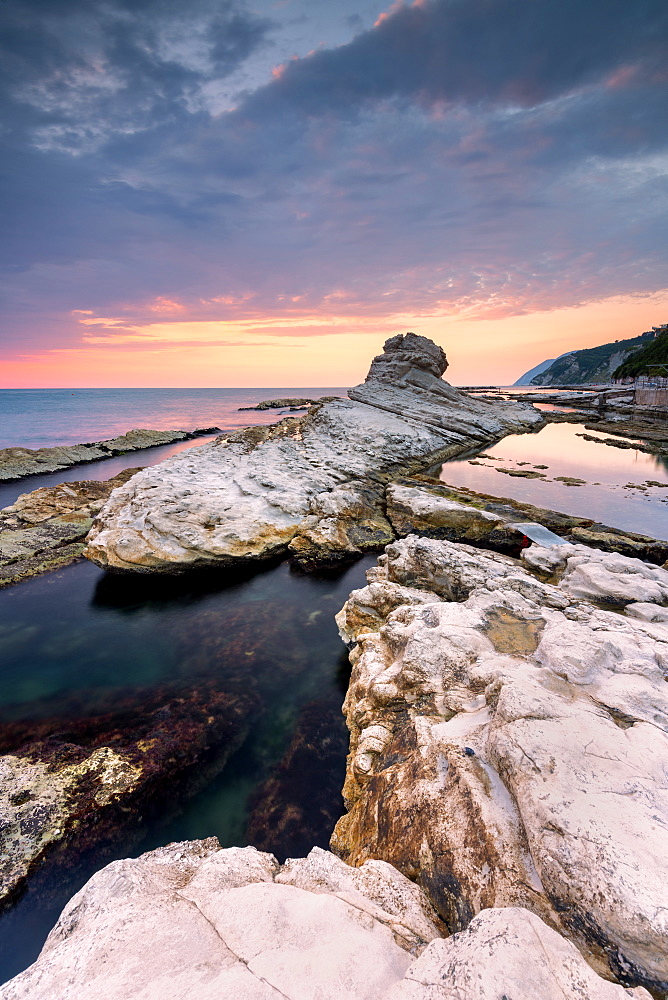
column 509, row 742
column 310, row 483
column 199, row 923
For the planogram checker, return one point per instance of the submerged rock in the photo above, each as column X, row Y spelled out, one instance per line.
column 193, row 921
column 70, row 786
column 508, row 744
column 308, row 482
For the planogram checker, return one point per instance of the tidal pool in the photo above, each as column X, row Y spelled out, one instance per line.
column 617, row 488
column 78, row 643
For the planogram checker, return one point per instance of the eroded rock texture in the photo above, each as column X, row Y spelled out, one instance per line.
column 45, row 529
column 199, row 923
column 312, row 484
column 508, row 742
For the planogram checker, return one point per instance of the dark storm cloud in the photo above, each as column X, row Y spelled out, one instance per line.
column 496, row 51
column 459, row 151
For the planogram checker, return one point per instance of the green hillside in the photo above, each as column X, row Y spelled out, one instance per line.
column 655, row 352
column 594, row 364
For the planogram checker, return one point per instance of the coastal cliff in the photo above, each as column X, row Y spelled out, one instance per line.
column 309, row 485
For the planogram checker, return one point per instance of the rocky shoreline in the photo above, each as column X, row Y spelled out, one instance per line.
column 15, row 463
column 310, row 487
column 506, row 811
column 508, row 737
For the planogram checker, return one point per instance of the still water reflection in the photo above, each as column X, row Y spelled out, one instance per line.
column 617, row 488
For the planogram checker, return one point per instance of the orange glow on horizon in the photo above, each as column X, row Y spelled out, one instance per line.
column 318, row 349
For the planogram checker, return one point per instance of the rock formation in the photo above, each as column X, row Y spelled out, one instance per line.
column 45, row 529
column 18, row 462
column 199, row 923
column 508, row 741
column 424, row 506
column 310, row 483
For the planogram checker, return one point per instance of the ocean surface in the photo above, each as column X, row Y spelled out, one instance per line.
column 40, row 418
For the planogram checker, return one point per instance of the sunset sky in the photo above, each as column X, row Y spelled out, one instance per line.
column 229, row 193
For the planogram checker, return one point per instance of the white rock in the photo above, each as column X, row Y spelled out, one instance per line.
column 199, row 923
column 522, row 761
column 600, row 576
column 247, row 496
column 193, row 922
column 507, row 953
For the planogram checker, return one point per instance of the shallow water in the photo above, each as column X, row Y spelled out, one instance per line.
column 616, row 491
column 76, row 643
column 41, row 418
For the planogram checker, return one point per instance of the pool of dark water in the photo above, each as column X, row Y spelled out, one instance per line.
column 78, row 644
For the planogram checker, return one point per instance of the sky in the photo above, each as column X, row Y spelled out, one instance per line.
column 232, row 193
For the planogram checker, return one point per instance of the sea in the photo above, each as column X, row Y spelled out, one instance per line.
column 78, row 644
column 43, row 418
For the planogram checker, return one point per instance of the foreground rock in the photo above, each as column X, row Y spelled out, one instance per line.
column 45, row 529
column 193, row 921
column 310, row 483
column 18, row 462
column 508, row 741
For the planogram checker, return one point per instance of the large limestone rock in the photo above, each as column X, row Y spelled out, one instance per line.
column 199, row 923
column 310, row 483
column 603, row 577
column 508, row 747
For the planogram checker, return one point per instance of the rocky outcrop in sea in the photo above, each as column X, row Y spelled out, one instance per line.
column 45, row 529
column 310, row 485
column 18, row 462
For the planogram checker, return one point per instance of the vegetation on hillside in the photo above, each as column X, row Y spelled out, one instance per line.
column 593, row 364
column 654, row 352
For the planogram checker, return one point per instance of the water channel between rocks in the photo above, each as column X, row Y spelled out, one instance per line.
column 76, row 643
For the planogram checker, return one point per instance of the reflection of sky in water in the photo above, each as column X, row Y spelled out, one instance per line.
column 566, row 454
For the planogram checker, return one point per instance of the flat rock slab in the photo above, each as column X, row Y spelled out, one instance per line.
column 18, row 462
column 306, row 483
column 416, row 512
column 509, row 738
column 199, row 923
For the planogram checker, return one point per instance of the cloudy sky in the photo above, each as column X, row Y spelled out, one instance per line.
column 223, row 192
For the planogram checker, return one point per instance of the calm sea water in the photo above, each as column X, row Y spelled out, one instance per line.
column 617, row 486
column 39, row 418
